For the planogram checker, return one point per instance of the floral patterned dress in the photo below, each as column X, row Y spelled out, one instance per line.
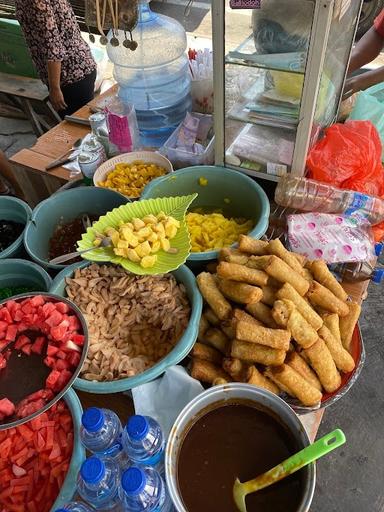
column 52, row 34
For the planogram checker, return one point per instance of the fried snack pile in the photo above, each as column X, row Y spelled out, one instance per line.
column 274, row 320
column 213, row 231
column 130, row 179
column 141, row 239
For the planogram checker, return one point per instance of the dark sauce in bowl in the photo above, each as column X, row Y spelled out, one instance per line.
column 236, row 440
column 65, row 237
column 9, row 232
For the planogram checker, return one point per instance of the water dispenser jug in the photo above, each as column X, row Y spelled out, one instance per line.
column 155, row 77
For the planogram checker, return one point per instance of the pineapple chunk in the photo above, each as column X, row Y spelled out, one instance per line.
column 122, row 244
column 150, row 219
column 148, row 261
column 159, row 228
column 134, row 241
column 165, row 245
column 138, row 224
column 156, row 246
column 133, row 256
column 144, row 232
column 171, row 231
column 153, row 237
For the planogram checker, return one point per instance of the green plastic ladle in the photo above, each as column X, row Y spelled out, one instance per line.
column 301, row 459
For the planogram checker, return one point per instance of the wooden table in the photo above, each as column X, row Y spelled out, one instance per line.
column 29, row 164
column 23, row 92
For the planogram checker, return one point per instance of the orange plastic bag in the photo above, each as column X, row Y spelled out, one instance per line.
column 349, row 157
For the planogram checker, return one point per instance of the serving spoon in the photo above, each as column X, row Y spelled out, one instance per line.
column 105, row 242
column 301, row 459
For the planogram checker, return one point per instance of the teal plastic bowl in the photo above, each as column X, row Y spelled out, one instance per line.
column 78, row 454
column 16, row 272
column 235, row 193
column 62, row 208
column 181, row 350
column 17, row 210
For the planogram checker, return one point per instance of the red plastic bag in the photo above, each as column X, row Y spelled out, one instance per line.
column 349, row 157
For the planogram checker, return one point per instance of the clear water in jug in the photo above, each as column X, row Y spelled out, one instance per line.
column 155, row 77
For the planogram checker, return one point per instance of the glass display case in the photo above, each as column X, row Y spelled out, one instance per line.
column 279, row 73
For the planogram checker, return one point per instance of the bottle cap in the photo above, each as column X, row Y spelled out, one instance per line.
column 92, row 419
column 133, row 481
column 137, row 427
column 379, row 249
column 92, row 470
column 61, row 510
column 378, row 275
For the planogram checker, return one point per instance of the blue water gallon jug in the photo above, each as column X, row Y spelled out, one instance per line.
column 155, row 77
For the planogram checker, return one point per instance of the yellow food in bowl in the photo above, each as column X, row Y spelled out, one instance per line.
column 141, row 239
column 130, row 179
column 213, row 231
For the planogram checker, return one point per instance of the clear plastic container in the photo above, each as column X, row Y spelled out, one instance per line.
column 181, row 157
column 143, row 442
column 310, row 195
column 75, row 506
column 98, row 483
column 155, row 77
column 143, row 489
column 100, row 433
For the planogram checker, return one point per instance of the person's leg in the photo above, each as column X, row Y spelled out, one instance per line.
column 78, row 94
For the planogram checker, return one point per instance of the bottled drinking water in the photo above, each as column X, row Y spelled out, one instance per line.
column 75, row 506
column 356, row 272
column 307, row 195
column 100, row 433
column 98, row 483
column 143, row 442
column 155, row 77
column 143, row 489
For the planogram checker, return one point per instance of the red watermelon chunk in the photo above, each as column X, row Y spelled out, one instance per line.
column 7, row 408
column 38, row 345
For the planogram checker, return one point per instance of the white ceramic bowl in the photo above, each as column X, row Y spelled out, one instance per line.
column 148, row 157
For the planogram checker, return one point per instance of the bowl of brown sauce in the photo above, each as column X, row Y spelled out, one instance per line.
column 230, row 431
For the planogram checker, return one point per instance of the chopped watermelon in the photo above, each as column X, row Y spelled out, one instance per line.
column 60, row 343
column 34, row 461
column 7, row 408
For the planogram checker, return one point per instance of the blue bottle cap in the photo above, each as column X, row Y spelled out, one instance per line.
column 61, row 510
column 137, row 427
column 92, row 419
column 92, row 470
column 379, row 249
column 133, row 481
column 378, row 275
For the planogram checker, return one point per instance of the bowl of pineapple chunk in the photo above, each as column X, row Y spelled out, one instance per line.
column 145, row 237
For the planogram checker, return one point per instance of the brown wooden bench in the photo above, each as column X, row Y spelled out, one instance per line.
column 26, row 93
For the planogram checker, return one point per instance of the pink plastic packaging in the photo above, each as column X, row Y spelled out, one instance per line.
column 331, row 237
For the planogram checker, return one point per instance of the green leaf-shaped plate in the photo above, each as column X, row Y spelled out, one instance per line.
column 166, row 262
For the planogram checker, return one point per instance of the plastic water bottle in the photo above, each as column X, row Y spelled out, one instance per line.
column 98, row 483
column 356, row 272
column 143, row 489
column 75, row 506
column 143, row 442
column 309, row 195
column 100, row 433
column 155, row 77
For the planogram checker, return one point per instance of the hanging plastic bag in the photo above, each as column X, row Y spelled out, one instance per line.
column 349, row 157
column 369, row 106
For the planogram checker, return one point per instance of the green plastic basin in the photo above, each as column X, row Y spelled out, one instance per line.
column 17, row 210
column 62, row 208
column 16, row 272
column 180, row 351
column 234, row 193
